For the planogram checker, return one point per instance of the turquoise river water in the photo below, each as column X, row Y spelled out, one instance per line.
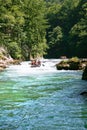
column 42, row 98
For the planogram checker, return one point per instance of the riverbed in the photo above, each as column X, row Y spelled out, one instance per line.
column 42, row 98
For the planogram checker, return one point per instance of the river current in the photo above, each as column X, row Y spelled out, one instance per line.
column 42, row 98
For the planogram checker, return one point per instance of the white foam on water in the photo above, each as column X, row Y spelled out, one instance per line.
column 26, row 69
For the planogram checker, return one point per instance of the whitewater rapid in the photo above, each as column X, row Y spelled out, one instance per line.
column 25, row 67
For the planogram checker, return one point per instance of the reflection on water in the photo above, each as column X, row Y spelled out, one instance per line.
column 42, row 98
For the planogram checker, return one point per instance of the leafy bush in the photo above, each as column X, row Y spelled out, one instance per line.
column 14, row 50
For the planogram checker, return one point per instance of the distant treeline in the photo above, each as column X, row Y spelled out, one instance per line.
column 50, row 28
column 67, row 34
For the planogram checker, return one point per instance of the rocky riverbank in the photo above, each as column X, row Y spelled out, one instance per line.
column 5, row 63
column 6, row 59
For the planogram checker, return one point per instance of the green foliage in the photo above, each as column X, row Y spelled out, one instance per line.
column 14, row 50
column 78, row 33
column 56, row 36
column 34, row 27
column 23, row 26
column 71, row 17
column 54, row 1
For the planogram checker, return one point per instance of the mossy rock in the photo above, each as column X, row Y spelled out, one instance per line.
column 62, row 65
column 74, row 59
column 71, row 64
column 74, row 65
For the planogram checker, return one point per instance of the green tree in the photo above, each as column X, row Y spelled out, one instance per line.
column 78, row 33
column 35, row 27
column 71, row 18
column 11, row 22
column 55, row 41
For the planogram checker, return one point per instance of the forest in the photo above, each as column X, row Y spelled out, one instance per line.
column 44, row 28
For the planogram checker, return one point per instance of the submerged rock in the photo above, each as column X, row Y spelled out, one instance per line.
column 84, row 75
column 84, row 93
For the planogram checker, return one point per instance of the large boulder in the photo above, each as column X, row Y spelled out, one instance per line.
column 72, row 64
column 84, row 75
column 63, row 65
column 83, row 64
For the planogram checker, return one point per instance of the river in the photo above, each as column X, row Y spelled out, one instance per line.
column 42, row 98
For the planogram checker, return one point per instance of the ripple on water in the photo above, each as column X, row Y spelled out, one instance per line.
column 42, row 100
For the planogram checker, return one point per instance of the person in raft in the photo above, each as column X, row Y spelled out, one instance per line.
column 36, row 63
